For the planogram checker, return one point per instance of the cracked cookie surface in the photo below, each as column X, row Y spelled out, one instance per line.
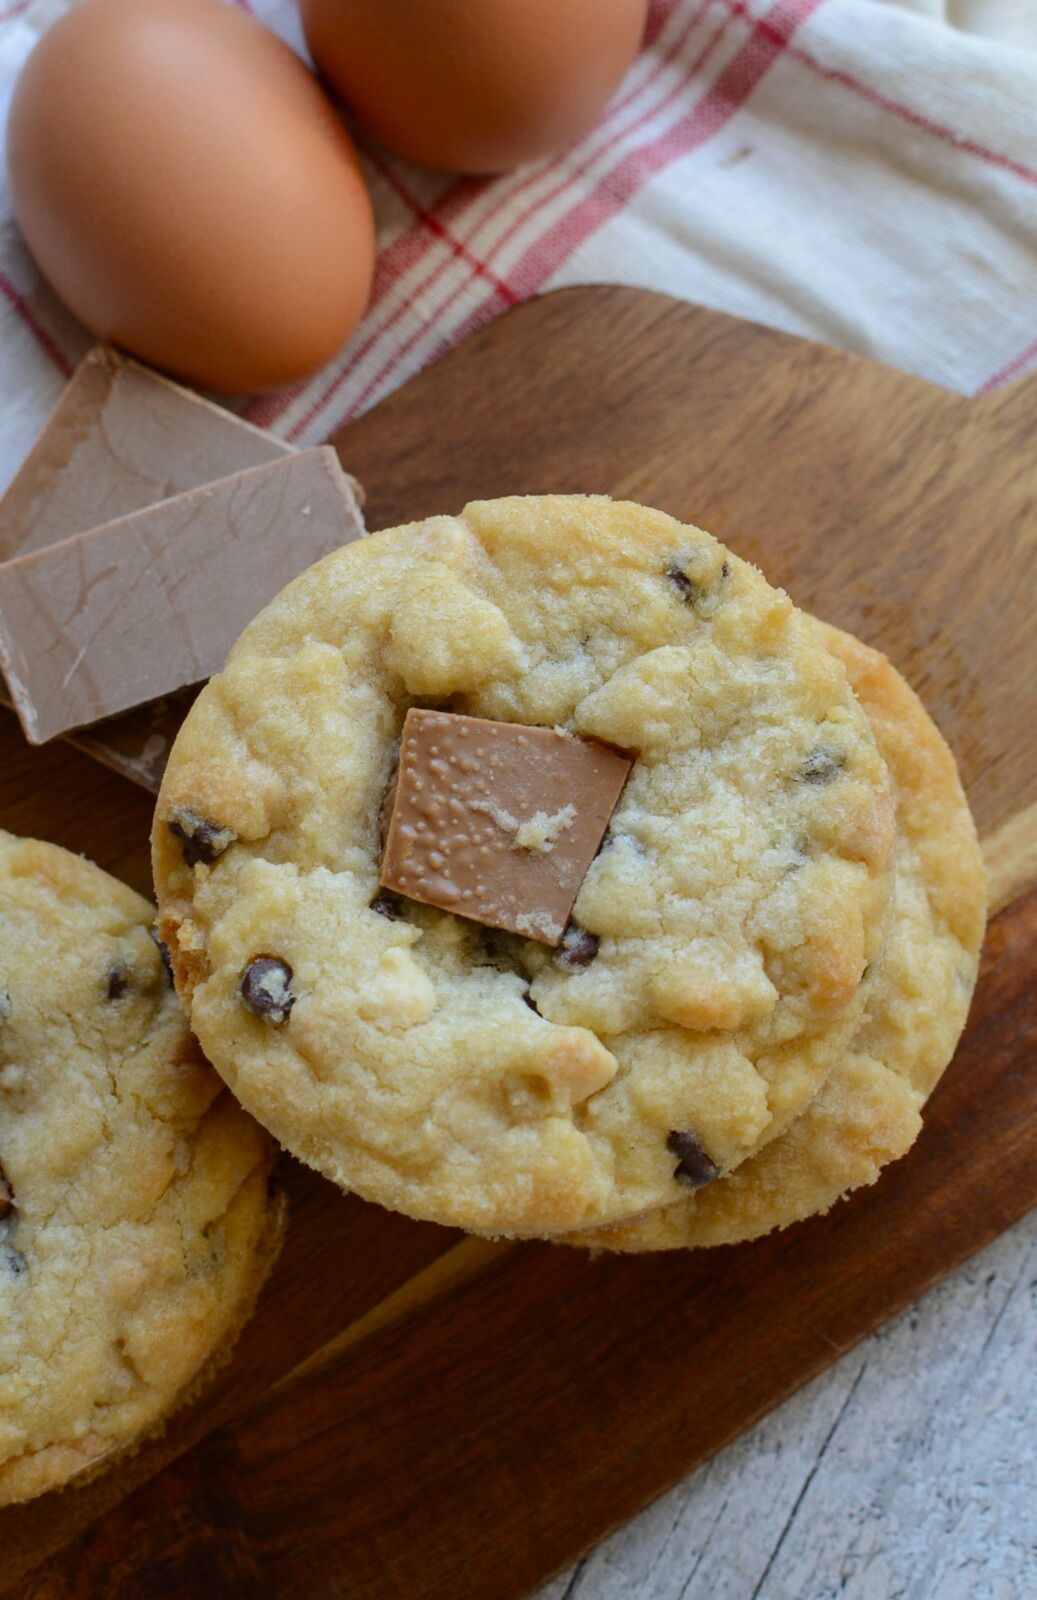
column 136, row 1223
column 712, row 972
column 869, row 1111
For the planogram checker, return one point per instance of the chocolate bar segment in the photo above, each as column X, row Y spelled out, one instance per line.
column 121, row 438
column 152, row 602
column 136, row 744
column 496, row 821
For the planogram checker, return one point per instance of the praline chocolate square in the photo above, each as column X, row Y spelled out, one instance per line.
column 497, row 821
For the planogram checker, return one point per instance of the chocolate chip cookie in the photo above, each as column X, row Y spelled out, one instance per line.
column 711, row 971
column 869, row 1111
column 136, row 1218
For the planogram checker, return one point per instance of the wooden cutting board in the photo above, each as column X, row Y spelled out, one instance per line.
column 415, row 1414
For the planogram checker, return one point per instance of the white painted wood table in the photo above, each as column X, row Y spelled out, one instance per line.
column 908, row 1471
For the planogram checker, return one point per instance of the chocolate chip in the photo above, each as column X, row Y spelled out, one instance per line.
column 163, row 955
column 694, row 1166
column 5, row 1005
column 387, row 905
column 701, row 592
column 578, row 947
column 10, row 1258
column 689, row 590
column 266, row 988
column 822, row 765
column 202, row 841
column 13, row 1260
column 118, row 981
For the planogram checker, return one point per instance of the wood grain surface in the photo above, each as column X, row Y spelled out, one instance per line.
column 416, row 1414
column 907, row 1471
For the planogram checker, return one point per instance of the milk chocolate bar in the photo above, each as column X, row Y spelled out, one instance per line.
column 137, row 743
column 149, row 603
column 497, row 821
column 121, row 438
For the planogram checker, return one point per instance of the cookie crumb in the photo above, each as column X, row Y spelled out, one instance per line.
column 537, row 925
column 542, row 831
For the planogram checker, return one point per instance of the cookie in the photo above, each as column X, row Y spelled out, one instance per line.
column 136, row 1218
column 711, row 973
column 869, row 1111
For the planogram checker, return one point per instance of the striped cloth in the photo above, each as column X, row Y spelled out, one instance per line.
column 862, row 171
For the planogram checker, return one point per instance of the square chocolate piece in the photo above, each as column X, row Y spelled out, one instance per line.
column 497, row 821
column 120, row 438
column 152, row 602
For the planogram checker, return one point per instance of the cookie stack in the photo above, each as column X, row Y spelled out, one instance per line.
column 544, row 872
column 540, row 871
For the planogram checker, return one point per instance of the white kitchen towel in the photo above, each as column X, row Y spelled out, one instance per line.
column 861, row 171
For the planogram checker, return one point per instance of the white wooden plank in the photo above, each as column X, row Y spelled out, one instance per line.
column 906, row 1472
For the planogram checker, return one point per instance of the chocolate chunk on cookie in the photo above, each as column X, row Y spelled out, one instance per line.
column 686, row 587
column 202, row 841
column 496, row 821
column 388, row 905
column 266, row 988
column 694, row 1166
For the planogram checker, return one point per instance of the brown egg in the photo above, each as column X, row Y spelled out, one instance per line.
column 188, row 189
column 474, row 85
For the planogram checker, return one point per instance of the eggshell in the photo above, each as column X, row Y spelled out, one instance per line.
column 474, row 85
column 189, row 190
